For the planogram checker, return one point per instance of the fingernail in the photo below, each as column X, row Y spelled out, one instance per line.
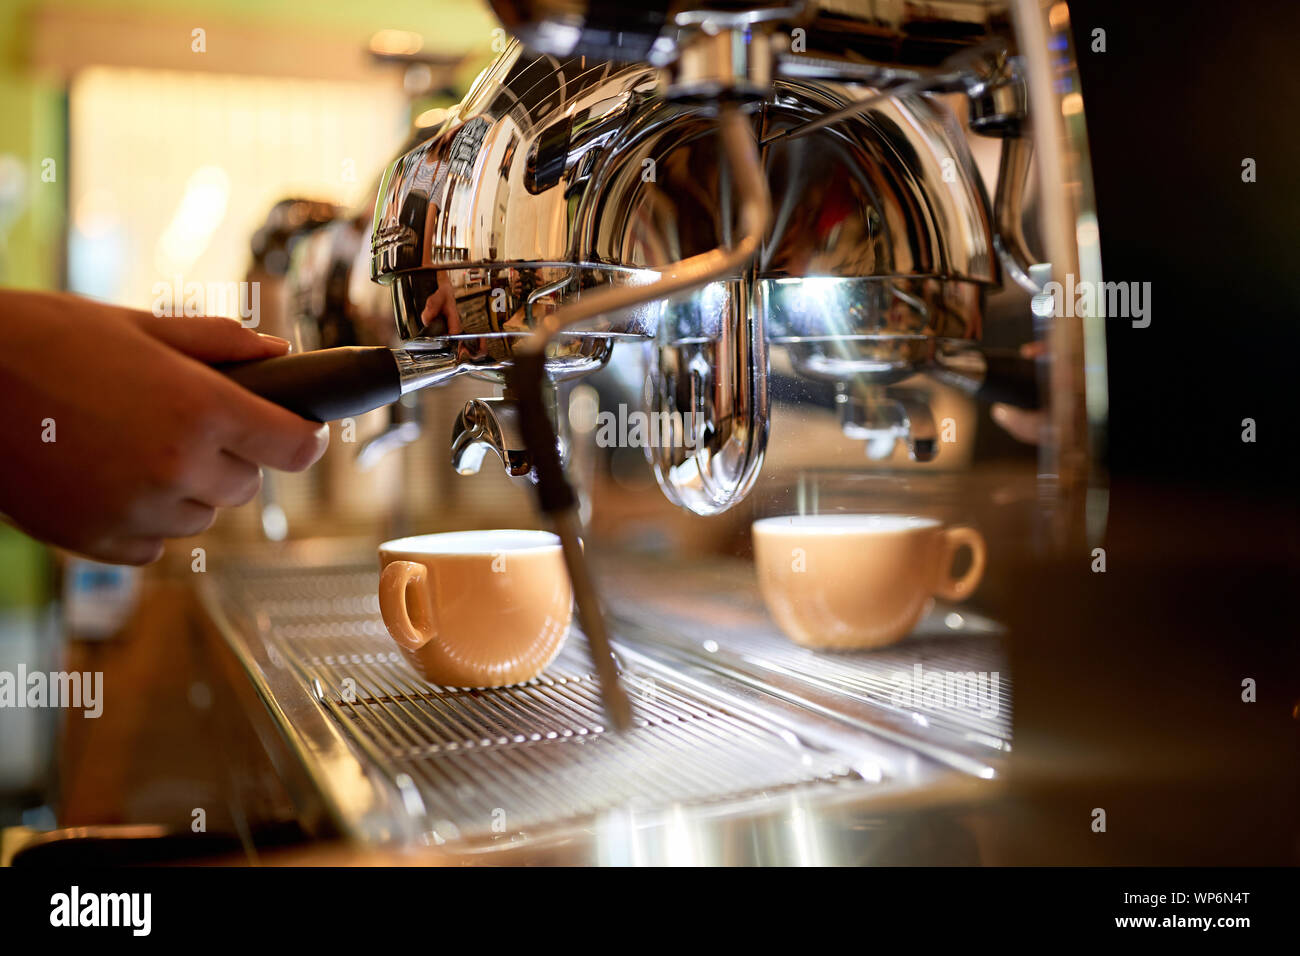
column 274, row 338
column 1000, row 413
column 311, row 451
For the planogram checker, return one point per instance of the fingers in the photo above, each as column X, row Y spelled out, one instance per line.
column 177, row 518
column 125, row 550
column 192, row 517
column 141, row 551
column 253, row 429
column 1021, row 424
column 249, row 427
column 231, row 482
column 262, row 432
column 211, row 338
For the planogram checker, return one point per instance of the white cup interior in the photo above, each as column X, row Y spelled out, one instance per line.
column 833, row 524
column 474, row 542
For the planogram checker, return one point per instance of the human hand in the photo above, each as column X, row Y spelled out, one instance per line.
column 1023, row 424
column 119, row 435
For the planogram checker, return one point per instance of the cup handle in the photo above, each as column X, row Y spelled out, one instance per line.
column 393, row 584
column 959, row 589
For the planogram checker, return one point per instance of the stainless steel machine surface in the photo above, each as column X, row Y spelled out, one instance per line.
column 731, row 747
column 590, row 155
column 708, row 614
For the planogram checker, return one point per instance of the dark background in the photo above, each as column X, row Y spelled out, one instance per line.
column 1129, row 683
column 1182, row 94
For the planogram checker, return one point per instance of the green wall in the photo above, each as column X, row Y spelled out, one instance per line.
column 31, row 128
column 32, row 107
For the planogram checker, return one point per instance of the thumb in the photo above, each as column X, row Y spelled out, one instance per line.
column 211, row 338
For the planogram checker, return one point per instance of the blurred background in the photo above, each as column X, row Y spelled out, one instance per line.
column 142, row 139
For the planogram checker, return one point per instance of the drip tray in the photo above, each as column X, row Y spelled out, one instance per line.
column 943, row 690
column 392, row 759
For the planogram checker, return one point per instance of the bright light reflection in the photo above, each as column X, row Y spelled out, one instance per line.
column 198, row 214
column 584, row 408
column 433, row 117
column 96, row 214
column 396, row 42
column 679, row 840
column 807, row 851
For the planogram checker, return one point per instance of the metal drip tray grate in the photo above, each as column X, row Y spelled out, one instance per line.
column 478, row 763
column 946, row 684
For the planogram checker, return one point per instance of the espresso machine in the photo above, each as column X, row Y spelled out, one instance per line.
column 717, row 190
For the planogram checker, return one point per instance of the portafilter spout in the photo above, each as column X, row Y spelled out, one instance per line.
column 492, row 425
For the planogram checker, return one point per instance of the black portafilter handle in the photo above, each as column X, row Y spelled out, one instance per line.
column 325, row 385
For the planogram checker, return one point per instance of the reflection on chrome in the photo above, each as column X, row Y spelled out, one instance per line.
column 557, row 176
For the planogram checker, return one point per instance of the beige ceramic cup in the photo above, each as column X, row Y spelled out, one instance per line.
column 476, row 608
column 859, row 581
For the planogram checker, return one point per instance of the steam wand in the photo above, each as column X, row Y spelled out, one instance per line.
column 527, row 376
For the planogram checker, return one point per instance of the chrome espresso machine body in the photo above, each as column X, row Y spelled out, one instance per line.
column 561, row 172
column 715, row 189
